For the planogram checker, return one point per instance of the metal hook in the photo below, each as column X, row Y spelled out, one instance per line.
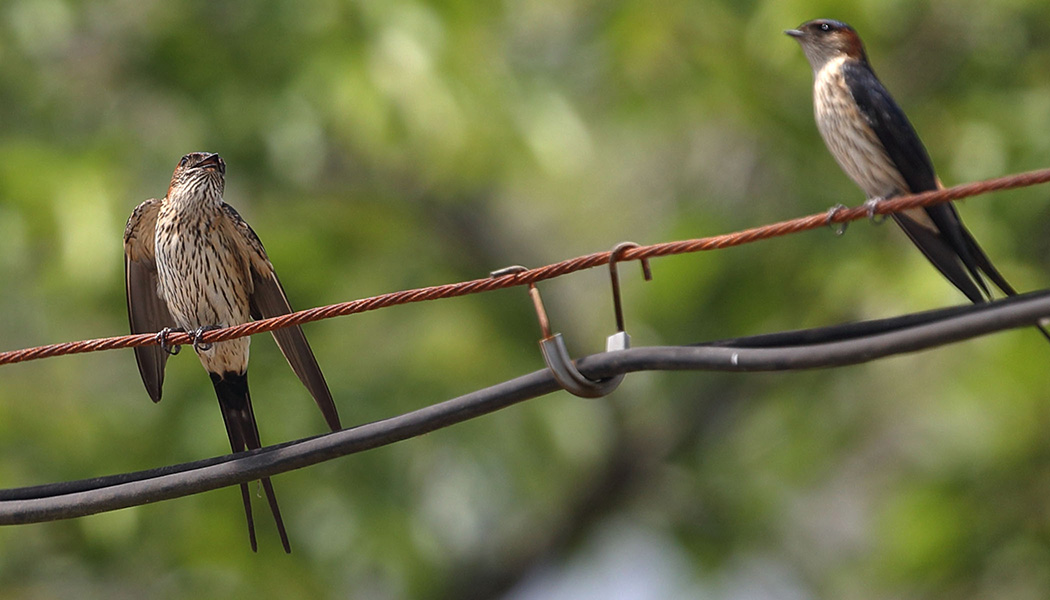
column 614, row 276
column 556, row 355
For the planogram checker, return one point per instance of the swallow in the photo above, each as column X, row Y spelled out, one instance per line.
column 875, row 144
column 191, row 264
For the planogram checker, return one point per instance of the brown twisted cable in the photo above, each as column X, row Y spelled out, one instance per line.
column 580, row 263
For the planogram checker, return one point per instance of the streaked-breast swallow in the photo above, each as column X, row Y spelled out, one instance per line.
column 875, row 144
column 193, row 264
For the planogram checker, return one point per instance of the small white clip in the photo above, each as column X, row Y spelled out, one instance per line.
column 617, row 341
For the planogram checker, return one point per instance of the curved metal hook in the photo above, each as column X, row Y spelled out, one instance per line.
column 614, row 276
column 556, row 355
column 537, row 302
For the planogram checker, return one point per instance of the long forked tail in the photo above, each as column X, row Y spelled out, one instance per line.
column 993, row 273
column 237, row 414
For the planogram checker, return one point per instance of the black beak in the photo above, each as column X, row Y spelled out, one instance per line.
column 213, row 162
column 795, row 33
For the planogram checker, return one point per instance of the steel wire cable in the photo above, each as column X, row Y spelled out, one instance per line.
column 838, row 215
column 805, row 349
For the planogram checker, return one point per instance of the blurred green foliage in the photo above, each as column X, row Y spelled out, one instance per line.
column 384, row 144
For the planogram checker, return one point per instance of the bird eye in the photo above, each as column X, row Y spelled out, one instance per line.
column 182, row 163
column 825, row 27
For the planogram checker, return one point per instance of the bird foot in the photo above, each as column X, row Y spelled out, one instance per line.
column 198, row 333
column 829, row 220
column 162, row 340
column 872, row 204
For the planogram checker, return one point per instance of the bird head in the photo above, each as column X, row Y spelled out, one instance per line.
column 199, row 173
column 826, row 39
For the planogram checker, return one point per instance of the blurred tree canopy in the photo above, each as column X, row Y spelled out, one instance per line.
column 385, row 144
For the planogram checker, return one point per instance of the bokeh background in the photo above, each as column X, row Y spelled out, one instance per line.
column 385, row 144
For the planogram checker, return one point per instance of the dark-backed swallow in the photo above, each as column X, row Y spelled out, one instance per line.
column 191, row 263
column 875, row 144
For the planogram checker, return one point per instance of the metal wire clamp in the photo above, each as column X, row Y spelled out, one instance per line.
column 614, row 277
column 556, row 355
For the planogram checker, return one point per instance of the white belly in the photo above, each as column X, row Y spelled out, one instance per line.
column 849, row 138
column 203, row 283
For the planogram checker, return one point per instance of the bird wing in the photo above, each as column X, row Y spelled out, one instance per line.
column 268, row 300
column 147, row 311
column 891, row 126
column 947, row 243
column 941, row 255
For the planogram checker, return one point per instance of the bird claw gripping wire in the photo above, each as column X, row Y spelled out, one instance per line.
column 198, row 333
column 872, row 204
column 162, row 341
column 829, row 219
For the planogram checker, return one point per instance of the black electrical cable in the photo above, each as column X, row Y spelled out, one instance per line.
column 823, row 347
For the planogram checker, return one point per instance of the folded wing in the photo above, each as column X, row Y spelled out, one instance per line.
column 147, row 311
column 268, row 300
